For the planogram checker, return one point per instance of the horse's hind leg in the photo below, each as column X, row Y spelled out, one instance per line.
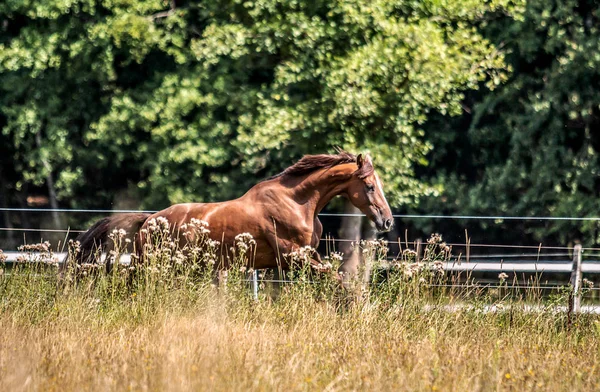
column 277, row 283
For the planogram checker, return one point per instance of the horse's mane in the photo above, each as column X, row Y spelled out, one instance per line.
column 310, row 163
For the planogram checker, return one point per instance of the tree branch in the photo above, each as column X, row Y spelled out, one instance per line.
column 164, row 14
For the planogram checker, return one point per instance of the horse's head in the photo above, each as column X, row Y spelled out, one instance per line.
column 365, row 192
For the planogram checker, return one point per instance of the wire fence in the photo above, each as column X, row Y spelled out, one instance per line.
column 37, row 230
column 488, row 260
column 349, row 240
column 455, row 276
column 341, row 215
column 468, row 285
column 539, row 248
column 474, row 245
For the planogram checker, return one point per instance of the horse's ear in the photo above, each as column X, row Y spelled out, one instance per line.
column 360, row 160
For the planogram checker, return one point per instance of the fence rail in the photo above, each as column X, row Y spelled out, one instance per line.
column 576, row 268
column 474, row 265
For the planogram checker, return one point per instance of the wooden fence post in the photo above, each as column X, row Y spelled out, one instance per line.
column 575, row 297
column 418, row 249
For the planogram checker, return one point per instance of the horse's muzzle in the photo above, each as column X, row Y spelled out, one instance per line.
column 384, row 225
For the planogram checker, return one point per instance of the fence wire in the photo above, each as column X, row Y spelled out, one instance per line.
column 20, row 229
column 331, row 214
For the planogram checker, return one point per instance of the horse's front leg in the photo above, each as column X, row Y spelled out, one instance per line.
column 310, row 257
column 289, row 252
column 326, row 268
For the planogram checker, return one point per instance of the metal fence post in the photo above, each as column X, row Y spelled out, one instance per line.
column 255, row 284
column 575, row 297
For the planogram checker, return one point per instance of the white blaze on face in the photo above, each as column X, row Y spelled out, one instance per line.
column 380, row 187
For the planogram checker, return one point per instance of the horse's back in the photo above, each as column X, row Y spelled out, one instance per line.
column 225, row 219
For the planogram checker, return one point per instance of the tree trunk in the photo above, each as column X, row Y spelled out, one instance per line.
column 50, row 183
column 22, row 199
column 7, row 223
column 350, row 234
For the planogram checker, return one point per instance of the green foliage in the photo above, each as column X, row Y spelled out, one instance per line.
column 197, row 101
column 532, row 146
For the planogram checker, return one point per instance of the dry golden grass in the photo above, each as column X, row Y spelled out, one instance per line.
column 304, row 346
column 169, row 329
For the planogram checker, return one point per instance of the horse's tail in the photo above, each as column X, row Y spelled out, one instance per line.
column 96, row 239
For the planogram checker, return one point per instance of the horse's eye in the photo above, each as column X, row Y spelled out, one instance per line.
column 370, row 188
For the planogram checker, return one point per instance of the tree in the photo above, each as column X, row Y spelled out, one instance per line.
column 531, row 147
column 265, row 82
column 199, row 100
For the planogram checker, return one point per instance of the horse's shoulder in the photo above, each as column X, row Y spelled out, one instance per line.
column 265, row 193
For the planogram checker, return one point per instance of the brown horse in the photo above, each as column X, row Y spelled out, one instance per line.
column 280, row 213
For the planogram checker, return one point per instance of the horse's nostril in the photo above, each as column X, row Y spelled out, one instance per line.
column 388, row 223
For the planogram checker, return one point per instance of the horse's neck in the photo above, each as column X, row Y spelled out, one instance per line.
column 318, row 188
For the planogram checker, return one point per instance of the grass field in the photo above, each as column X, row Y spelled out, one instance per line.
column 164, row 326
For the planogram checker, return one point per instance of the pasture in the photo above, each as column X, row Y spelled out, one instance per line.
column 165, row 326
column 483, row 119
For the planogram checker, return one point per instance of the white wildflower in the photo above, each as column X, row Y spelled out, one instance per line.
column 337, row 256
